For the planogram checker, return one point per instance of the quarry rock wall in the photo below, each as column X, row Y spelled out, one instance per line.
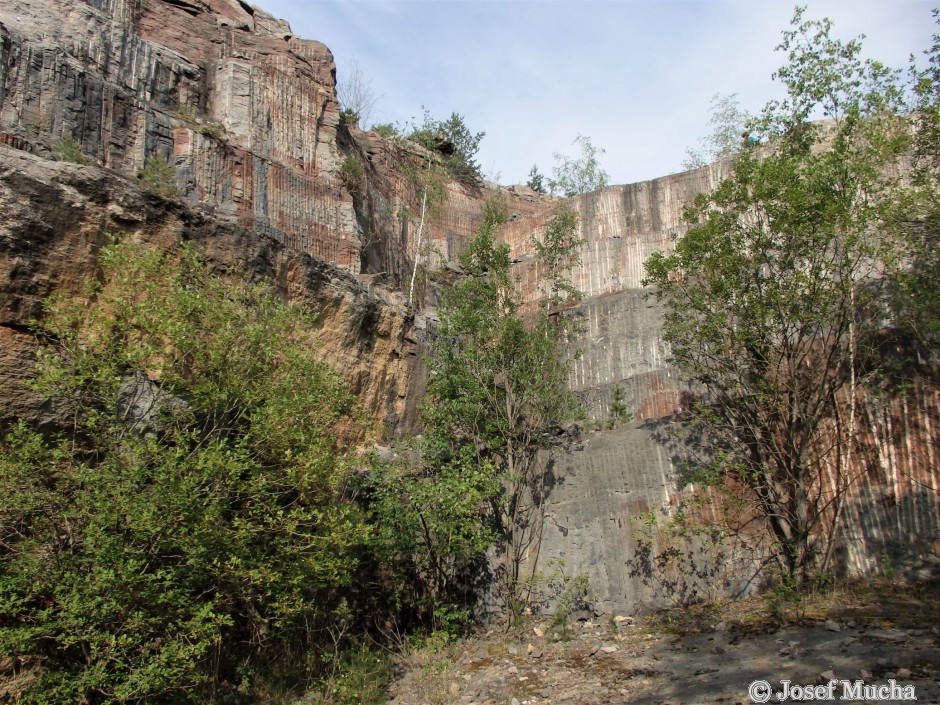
column 245, row 113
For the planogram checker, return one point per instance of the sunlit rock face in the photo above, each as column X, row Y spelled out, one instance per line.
column 621, row 471
column 245, row 114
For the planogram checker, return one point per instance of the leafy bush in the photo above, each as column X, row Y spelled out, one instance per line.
column 158, row 176
column 213, row 130
column 194, row 522
column 68, row 149
column 386, row 130
column 430, row 532
column 348, row 116
column 453, row 139
column 351, row 174
column 576, row 176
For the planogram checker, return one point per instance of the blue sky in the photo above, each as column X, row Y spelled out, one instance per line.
column 636, row 76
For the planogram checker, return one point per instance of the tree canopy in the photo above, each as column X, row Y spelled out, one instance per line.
column 773, row 294
column 573, row 176
column 195, row 520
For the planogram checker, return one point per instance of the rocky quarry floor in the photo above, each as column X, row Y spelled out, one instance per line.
column 694, row 655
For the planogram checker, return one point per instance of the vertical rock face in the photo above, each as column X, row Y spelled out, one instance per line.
column 57, row 216
column 244, row 111
column 246, row 115
column 623, row 470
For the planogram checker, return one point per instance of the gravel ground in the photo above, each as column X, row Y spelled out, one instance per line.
column 689, row 656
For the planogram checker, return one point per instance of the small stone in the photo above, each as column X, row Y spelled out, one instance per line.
column 721, row 626
column 609, row 649
column 865, row 675
column 454, row 688
column 515, row 701
column 620, row 618
column 828, row 676
column 539, row 632
column 904, row 673
column 657, row 657
column 529, row 649
column 513, row 651
column 832, row 625
column 513, row 671
column 537, row 653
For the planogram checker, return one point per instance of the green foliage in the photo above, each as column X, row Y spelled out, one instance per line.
column 360, row 678
column 567, row 593
column 68, row 149
column 536, row 180
column 576, row 176
column 453, row 139
column 429, row 531
column 348, row 116
column 558, row 252
column 682, row 555
column 729, row 123
column 387, row 130
column 773, row 292
column 158, row 177
column 352, row 174
column 194, row 524
column 497, row 392
column 619, row 413
column 915, row 300
column 213, row 130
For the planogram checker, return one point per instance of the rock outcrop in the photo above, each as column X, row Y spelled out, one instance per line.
column 245, row 114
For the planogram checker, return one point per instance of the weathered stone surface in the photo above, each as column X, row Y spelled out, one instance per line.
column 246, row 113
column 57, row 216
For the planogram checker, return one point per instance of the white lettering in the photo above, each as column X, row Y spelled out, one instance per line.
column 857, row 690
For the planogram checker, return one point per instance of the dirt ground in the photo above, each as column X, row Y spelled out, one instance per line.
column 874, row 634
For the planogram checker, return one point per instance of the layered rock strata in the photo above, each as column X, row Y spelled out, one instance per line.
column 245, row 114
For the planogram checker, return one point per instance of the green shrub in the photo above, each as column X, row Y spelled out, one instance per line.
column 157, row 176
column 68, row 149
column 386, row 130
column 348, row 116
column 193, row 528
column 213, row 130
column 352, row 174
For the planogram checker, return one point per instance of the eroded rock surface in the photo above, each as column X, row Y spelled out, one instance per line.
column 246, row 115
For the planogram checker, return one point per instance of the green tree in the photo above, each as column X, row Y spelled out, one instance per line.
column 557, row 253
column 454, row 140
column 195, row 523
column 497, row 393
column 536, row 180
column 772, row 292
column 158, row 176
column 431, row 532
column 916, row 287
column 68, row 149
column 729, row 123
column 576, row 176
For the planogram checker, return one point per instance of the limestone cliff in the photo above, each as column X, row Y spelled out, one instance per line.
column 246, row 115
